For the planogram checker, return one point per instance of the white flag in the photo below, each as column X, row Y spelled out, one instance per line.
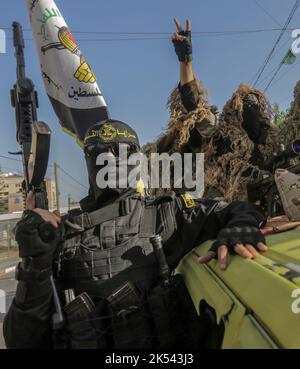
column 69, row 80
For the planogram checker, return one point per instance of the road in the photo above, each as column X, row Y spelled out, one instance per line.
column 6, row 263
column 8, row 284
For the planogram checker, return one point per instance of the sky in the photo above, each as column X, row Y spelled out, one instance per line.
column 136, row 76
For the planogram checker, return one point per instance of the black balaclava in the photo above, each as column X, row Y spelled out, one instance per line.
column 98, row 139
column 251, row 118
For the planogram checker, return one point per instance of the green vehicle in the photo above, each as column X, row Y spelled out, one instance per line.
column 254, row 303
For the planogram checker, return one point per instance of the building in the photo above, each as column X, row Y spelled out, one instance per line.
column 50, row 188
column 11, row 194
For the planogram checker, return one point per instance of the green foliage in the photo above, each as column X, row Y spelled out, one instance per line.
column 291, row 129
column 279, row 116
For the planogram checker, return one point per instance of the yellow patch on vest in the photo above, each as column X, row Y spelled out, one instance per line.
column 140, row 186
column 189, row 202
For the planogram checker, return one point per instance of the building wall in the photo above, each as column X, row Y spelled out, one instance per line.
column 11, row 196
column 50, row 188
column 3, row 197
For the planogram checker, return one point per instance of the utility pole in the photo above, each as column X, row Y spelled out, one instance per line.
column 69, row 202
column 8, row 239
column 57, row 193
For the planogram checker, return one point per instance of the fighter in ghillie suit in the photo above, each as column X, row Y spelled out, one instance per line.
column 235, row 149
column 291, row 128
column 192, row 121
column 187, row 130
column 245, row 140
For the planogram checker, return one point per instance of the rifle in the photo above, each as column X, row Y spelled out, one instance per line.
column 34, row 140
column 264, row 189
column 32, row 136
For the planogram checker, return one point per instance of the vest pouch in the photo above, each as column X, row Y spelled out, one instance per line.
column 131, row 329
column 80, row 314
column 130, row 323
column 176, row 322
column 100, row 319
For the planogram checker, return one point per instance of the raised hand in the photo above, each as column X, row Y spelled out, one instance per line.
column 182, row 41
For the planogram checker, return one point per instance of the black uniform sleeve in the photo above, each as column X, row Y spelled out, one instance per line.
column 205, row 221
column 220, row 215
column 189, row 94
column 27, row 324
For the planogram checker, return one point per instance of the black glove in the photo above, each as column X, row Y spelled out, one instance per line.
column 237, row 235
column 29, row 233
column 184, row 48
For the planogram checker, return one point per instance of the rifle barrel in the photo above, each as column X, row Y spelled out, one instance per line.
column 19, row 46
column 283, row 158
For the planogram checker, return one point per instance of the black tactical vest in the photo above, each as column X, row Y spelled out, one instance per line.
column 110, row 247
column 113, row 243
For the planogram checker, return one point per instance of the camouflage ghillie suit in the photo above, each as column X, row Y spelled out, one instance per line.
column 291, row 128
column 192, row 123
column 232, row 158
column 237, row 159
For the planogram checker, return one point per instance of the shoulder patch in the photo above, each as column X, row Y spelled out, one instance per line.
column 187, row 201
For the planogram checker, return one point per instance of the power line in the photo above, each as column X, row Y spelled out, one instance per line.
column 268, row 13
column 284, row 74
column 111, row 39
column 275, row 74
column 267, row 77
column 195, row 36
column 59, row 167
column 8, row 158
column 273, row 70
column 265, row 63
column 163, row 33
column 70, row 176
column 71, row 184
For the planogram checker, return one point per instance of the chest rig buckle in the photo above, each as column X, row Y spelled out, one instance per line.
column 83, row 221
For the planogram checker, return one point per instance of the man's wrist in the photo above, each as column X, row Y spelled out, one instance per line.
column 186, row 63
column 27, row 272
column 185, row 59
column 38, row 263
column 188, row 58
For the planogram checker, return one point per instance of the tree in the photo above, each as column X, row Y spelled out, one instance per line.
column 279, row 115
column 291, row 128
